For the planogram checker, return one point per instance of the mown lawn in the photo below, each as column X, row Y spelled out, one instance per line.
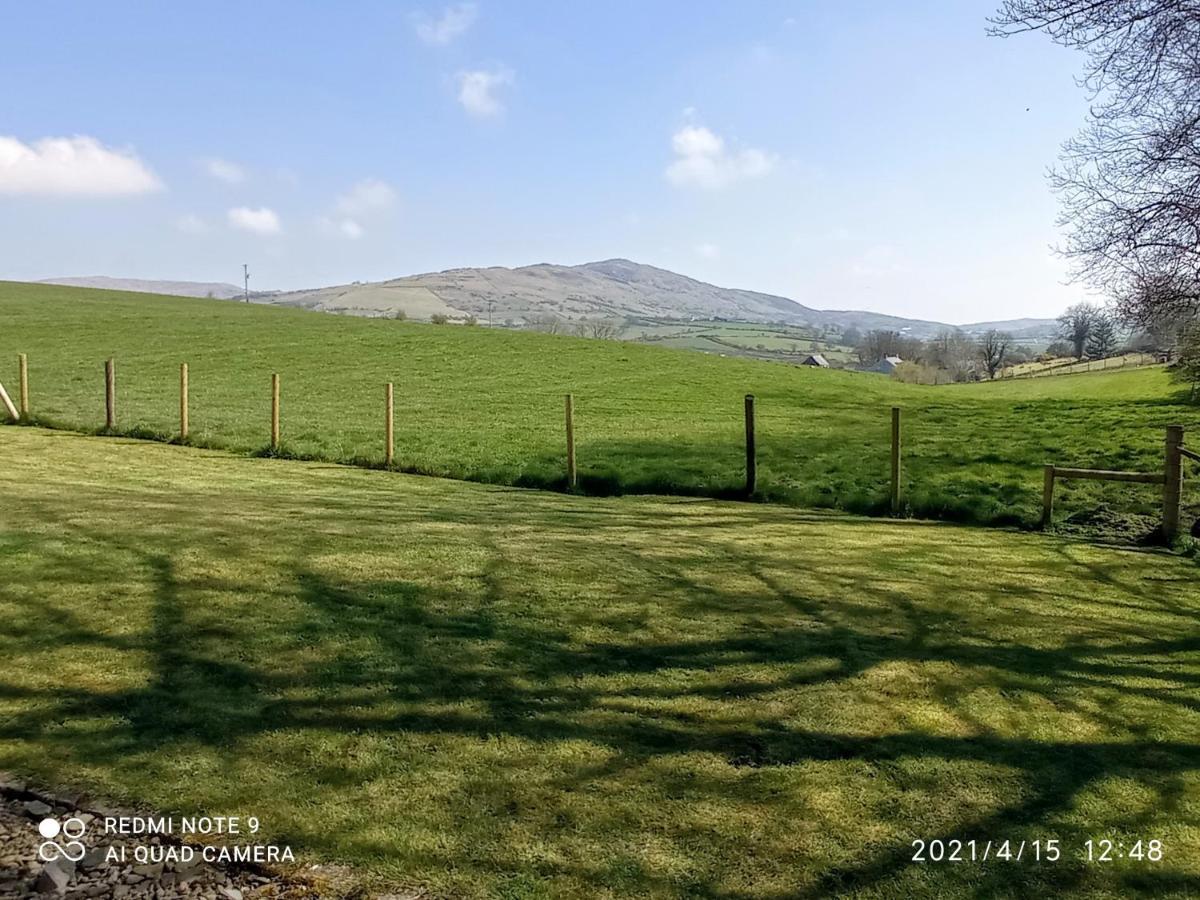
column 487, row 405
column 490, row 692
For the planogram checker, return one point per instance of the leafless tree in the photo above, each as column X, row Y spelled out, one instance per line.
column 952, row 351
column 601, row 329
column 875, row 345
column 549, row 323
column 993, row 348
column 1129, row 182
column 1075, row 324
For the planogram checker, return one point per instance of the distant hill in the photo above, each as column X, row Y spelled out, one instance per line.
column 219, row 290
column 613, row 289
column 610, row 289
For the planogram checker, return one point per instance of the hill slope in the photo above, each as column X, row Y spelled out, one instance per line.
column 216, row 289
column 486, row 404
column 611, row 289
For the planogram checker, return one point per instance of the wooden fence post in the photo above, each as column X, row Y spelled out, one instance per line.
column 183, row 402
column 751, row 449
column 7, row 403
column 24, row 385
column 1047, row 496
column 572, row 474
column 388, row 428
column 110, row 394
column 1172, row 483
column 895, row 486
column 275, row 411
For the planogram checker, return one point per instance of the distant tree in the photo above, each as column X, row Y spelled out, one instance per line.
column 439, row 318
column 875, row 345
column 1186, row 368
column 1102, row 338
column 399, row 315
column 1017, row 355
column 471, row 320
column 1075, row 324
column 851, row 337
column 549, row 323
column 993, row 349
column 599, row 329
column 1059, row 349
column 954, row 352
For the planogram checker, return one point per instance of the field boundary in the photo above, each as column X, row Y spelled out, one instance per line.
column 890, row 499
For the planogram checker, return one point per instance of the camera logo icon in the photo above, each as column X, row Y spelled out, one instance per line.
column 71, row 829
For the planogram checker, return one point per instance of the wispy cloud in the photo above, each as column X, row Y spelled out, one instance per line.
column 702, row 160
column 708, row 251
column 451, row 24
column 259, row 221
column 477, row 91
column 224, row 170
column 347, row 228
column 74, row 166
column 367, row 196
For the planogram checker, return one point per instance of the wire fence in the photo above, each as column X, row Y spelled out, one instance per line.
column 946, row 457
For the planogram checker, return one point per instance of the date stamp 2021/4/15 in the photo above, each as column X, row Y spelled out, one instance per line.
column 1050, row 850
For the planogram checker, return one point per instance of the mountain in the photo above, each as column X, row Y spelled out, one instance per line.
column 219, row 290
column 611, row 289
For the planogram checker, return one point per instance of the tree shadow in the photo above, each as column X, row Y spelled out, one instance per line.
column 678, row 641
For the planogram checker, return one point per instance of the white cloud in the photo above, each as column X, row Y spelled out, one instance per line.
column 368, row 196
column 347, row 228
column 702, row 160
column 224, row 170
column 259, row 221
column 191, row 224
column 453, row 21
column 74, row 166
column 708, row 251
column 477, row 91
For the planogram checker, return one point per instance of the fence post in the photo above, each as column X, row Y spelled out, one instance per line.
column 751, row 449
column 110, row 394
column 1047, row 496
column 895, row 492
column 24, row 385
column 1173, row 482
column 275, row 411
column 183, row 402
column 389, row 430
column 7, row 403
column 572, row 474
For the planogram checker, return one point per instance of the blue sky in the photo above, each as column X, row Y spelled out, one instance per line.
column 845, row 154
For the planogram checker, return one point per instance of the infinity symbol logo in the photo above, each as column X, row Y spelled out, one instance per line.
column 72, row 829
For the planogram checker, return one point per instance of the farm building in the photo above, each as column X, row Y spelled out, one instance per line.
column 816, row 359
column 887, row 365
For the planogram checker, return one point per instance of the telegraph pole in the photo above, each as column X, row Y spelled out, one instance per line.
column 246, row 281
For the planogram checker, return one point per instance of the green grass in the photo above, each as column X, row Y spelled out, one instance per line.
column 490, row 692
column 486, row 405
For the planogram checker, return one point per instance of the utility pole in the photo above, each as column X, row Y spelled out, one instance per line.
column 491, row 304
column 246, row 281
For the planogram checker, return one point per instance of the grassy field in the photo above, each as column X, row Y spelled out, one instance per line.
column 490, row 692
column 486, row 405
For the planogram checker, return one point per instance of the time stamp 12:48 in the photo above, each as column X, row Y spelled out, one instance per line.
column 1098, row 850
